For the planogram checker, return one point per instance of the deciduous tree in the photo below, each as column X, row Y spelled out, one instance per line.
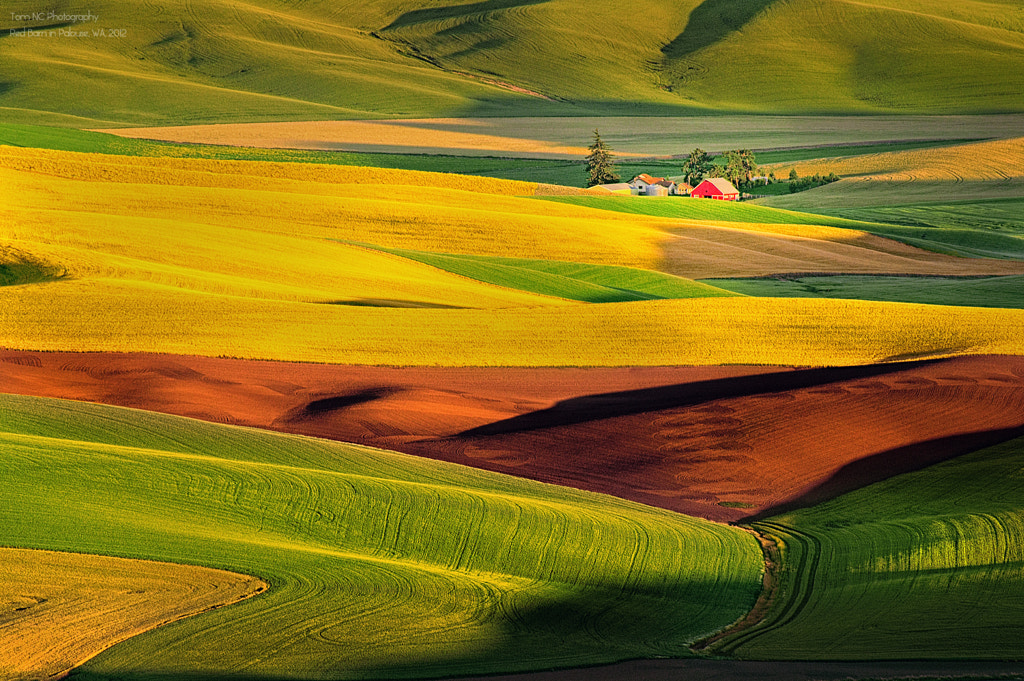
column 697, row 166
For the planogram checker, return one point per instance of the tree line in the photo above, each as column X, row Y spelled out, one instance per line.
column 740, row 168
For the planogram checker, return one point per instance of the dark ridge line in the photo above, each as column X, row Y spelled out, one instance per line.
column 889, row 464
column 609, row 405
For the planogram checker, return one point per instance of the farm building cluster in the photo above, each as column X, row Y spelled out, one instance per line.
column 647, row 185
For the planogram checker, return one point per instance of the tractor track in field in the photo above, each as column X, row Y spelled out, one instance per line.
column 765, row 600
column 796, row 598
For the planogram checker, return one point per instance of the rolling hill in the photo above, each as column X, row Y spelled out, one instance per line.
column 378, row 564
column 60, row 609
column 925, row 565
column 221, row 61
column 168, row 255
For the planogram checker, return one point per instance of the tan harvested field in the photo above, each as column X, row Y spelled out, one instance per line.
column 58, row 610
column 876, row 192
column 701, row 251
column 996, row 160
column 716, row 442
column 411, row 137
column 547, row 137
column 966, row 172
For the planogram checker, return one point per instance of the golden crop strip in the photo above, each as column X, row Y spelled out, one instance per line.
column 58, row 610
column 995, row 160
column 240, row 174
column 122, row 316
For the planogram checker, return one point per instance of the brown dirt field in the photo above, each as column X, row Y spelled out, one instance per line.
column 718, row 442
column 703, row 252
column 58, row 610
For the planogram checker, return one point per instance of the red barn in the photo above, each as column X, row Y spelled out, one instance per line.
column 716, row 188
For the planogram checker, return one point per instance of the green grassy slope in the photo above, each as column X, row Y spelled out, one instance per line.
column 685, row 208
column 219, row 61
column 271, row 60
column 971, row 291
column 988, row 225
column 980, row 229
column 990, row 228
column 380, row 564
column 828, row 55
column 572, row 280
column 925, row 565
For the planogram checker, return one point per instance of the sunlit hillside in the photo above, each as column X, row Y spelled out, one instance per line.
column 189, row 62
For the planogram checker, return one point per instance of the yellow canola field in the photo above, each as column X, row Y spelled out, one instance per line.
column 114, row 316
column 58, row 610
column 235, row 266
column 417, row 217
column 235, row 261
column 239, row 174
column 995, row 160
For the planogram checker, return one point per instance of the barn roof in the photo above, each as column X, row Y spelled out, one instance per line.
column 721, row 184
column 649, row 179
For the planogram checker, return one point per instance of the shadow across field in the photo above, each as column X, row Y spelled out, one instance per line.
column 512, row 644
column 609, row 405
column 711, row 22
column 17, row 269
column 885, row 465
column 327, row 405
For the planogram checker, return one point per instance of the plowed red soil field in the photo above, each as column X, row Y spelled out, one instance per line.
column 718, row 442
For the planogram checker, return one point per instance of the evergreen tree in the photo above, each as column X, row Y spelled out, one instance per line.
column 599, row 163
column 697, row 166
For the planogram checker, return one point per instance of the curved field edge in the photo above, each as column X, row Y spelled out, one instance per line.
column 688, row 208
column 926, row 565
column 575, row 281
column 558, row 172
column 986, row 227
column 380, row 564
column 58, row 610
column 403, row 209
column 109, row 317
column 1005, row 292
column 239, row 174
column 121, row 317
